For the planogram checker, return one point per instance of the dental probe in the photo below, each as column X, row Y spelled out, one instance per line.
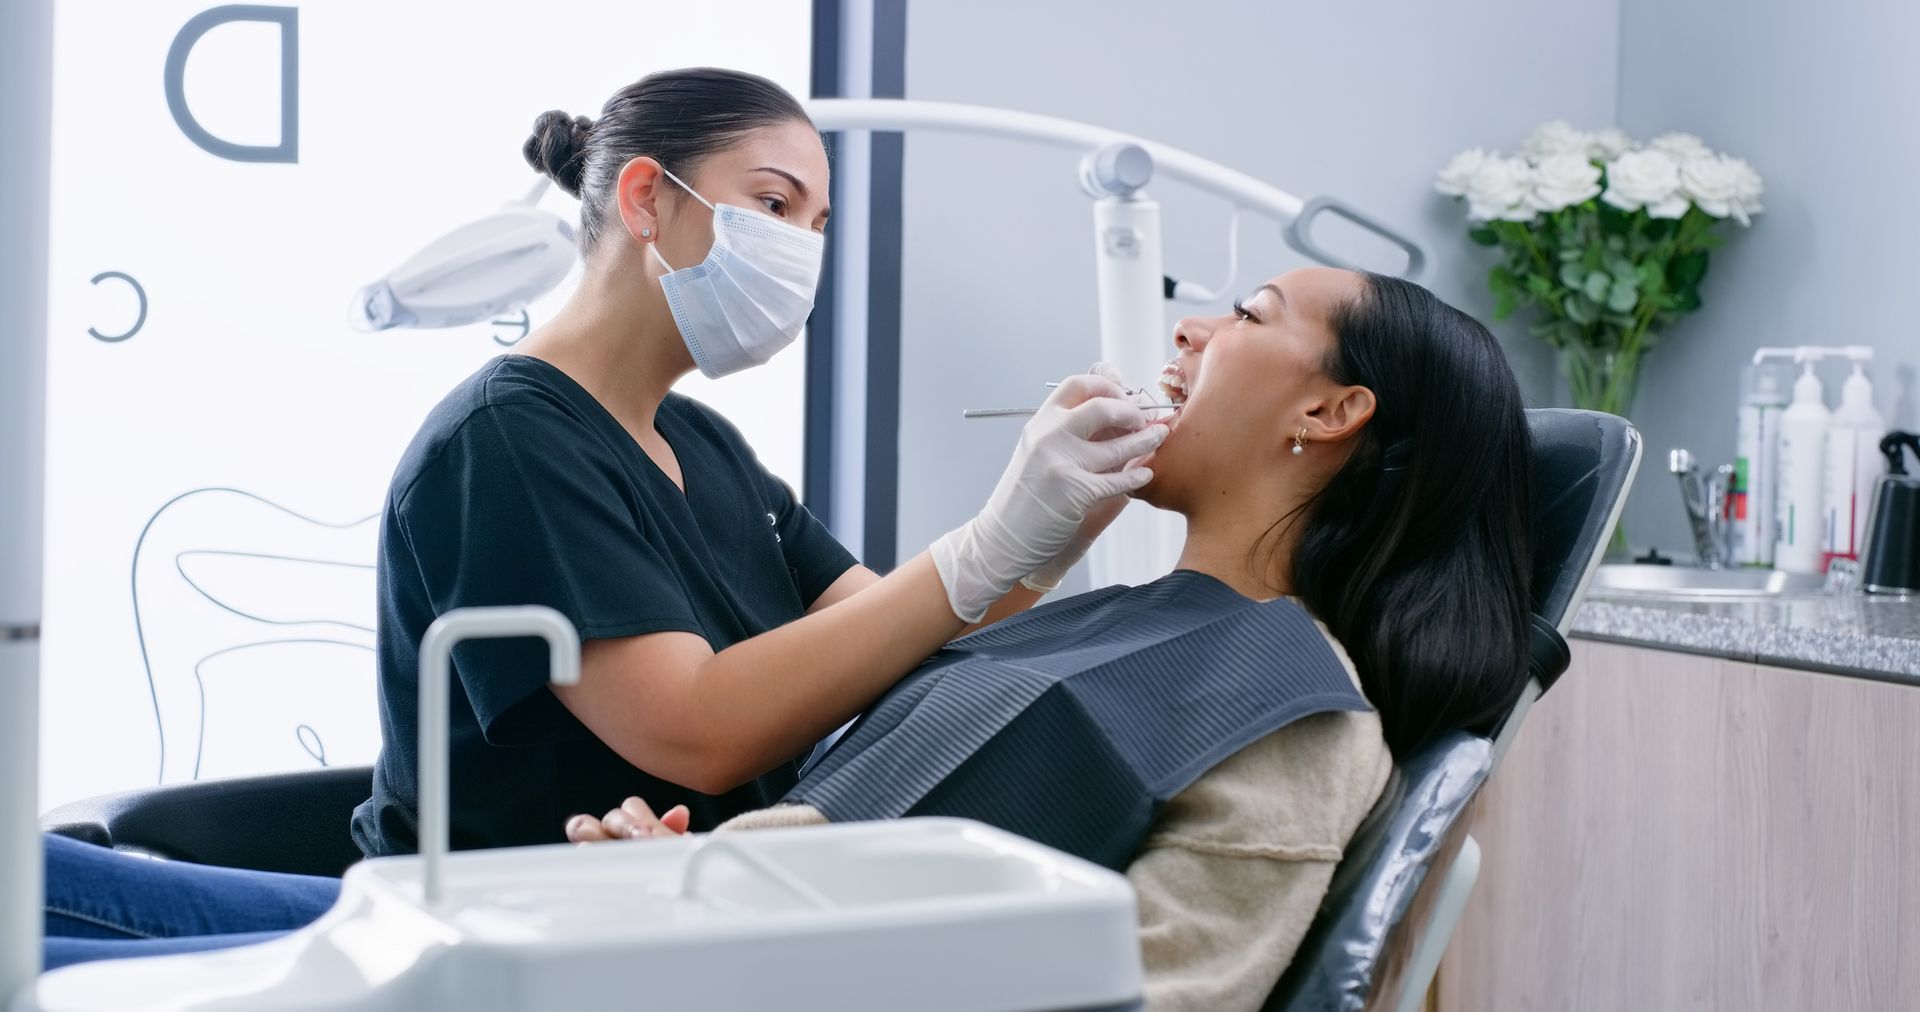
column 1052, row 384
column 1016, row 412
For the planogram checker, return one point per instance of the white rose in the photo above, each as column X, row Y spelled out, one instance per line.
column 1563, row 181
column 1681, row 147
column 1555, row 138
column 1648, row 179
column 1609, row 144
column 1747, row 189
column 1711, row 184
column 1458, row 174
column 1499, row 190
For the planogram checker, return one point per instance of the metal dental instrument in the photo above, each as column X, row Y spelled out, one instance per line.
column 1053, row 384
column 1017, row 412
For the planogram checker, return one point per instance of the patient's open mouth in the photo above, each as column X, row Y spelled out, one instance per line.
column 1173, row 382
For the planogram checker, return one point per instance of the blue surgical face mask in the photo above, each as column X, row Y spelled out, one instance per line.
column 752, row 294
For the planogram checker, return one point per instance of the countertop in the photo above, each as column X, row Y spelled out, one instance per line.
column 1853, row 634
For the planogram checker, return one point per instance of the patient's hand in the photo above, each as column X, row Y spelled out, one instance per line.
column 633, row 820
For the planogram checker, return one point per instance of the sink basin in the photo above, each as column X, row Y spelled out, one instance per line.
column 1686, row 581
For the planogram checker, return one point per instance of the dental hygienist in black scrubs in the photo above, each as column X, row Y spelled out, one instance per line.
column 724, row 631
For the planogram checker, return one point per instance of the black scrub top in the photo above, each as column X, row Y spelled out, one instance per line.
column 521, row 489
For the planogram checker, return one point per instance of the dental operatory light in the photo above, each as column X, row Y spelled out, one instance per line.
column 486, row 268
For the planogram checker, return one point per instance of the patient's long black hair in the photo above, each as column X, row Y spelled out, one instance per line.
column 1417, row 553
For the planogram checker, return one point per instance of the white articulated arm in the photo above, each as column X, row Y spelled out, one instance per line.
column 1169, row 162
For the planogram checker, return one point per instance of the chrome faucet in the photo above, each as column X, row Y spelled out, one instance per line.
column 1708, row 507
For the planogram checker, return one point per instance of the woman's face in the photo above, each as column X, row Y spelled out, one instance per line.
column 780, row 171
column 1246, row 383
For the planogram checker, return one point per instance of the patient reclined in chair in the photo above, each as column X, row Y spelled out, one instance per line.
column 1215, row 748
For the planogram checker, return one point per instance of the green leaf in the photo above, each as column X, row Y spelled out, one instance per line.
column 1580, row 309
column 1569, row 254
column 1573, row 275
column 1687, row 269
column 1596, row 286
column 1621, row 268
column 1652, row 278
column 1484, row 236
column 1505, row 301
column 1686, row 300
column 1623, row 298
column 1506, row 292
column 1540, row 287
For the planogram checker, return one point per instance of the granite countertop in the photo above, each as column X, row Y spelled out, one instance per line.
column 1852, row 634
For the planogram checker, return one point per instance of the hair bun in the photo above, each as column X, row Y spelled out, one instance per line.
column 558, row 148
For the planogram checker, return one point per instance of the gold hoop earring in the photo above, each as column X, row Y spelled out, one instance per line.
column 1300, row 441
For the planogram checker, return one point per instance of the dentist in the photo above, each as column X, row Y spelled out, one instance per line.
column 725, row 631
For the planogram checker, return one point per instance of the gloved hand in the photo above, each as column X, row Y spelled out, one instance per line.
column 1099, row 517
column 1057, row 474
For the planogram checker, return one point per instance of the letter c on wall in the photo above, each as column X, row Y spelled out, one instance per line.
column 288, row 18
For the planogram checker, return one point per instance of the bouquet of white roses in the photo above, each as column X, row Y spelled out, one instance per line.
column 1606, row 238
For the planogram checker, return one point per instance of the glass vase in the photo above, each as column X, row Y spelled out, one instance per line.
column 1604, row 379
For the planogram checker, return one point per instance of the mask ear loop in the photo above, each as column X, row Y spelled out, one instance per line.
column 654, row 246
column 684, row 186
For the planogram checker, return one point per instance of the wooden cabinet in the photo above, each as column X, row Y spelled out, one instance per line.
column 1672, row 831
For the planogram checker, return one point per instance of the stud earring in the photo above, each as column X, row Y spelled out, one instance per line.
column 1300, row 442
column 646, row 233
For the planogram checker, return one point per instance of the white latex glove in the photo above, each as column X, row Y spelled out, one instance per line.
column 1099, row 517
column 1058, row 473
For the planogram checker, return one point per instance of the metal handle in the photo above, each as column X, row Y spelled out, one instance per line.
column 436, row 666
column 1299, row 235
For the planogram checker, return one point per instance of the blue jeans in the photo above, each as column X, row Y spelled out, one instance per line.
column 106, row 905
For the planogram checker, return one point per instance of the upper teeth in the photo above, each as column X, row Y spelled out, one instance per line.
column 1173, row 380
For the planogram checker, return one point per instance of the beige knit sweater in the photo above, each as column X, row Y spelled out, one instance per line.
column 1233, row 873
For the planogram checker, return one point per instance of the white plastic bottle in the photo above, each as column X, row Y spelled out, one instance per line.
column 1798, row 514
column 1757, row 460
column 1854, row 463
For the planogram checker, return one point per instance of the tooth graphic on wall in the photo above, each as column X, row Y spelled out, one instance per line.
column 255, row 627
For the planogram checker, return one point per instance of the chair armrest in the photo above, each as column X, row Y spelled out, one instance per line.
column 285, row 822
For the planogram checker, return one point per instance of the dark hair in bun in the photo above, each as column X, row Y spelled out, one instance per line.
column 676, row 117
column 558, row 147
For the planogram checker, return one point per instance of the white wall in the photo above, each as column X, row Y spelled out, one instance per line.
column 1821, row 100
column 1361, row 100
column 257, row 623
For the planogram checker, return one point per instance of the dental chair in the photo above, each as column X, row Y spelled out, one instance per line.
column 1394, row 900
column 286, row 822
column 1400, row 889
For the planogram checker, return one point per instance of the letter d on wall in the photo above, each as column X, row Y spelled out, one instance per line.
column 288, row 18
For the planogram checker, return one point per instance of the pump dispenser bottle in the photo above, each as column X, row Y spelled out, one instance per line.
column 1854, row 463
column 1799, row 543
column 1756, row 466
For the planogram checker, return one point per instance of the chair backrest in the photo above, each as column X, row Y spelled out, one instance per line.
column 1583, row 465
column 1386, row 863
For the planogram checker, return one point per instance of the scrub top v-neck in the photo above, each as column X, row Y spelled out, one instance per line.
column 520, row 488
